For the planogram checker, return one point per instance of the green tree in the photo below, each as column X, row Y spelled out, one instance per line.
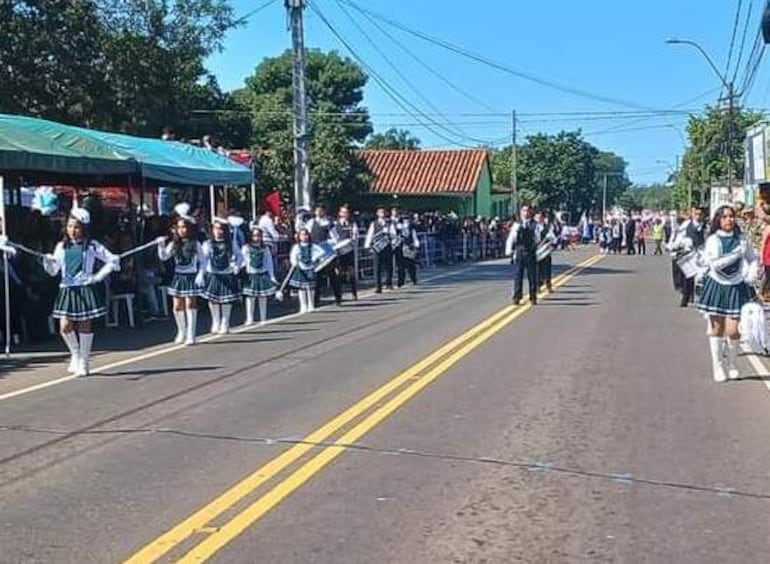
column 338, row 123
column 393, row 139
column 716, row 141
column 613, row 167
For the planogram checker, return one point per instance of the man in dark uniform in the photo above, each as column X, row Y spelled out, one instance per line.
column 344, row 229
column 691, row 237
column 521, row 246
column 378, row 239
column 320, row 232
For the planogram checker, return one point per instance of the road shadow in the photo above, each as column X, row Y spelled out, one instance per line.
column 141, row 374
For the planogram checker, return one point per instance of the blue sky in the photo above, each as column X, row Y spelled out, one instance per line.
column 605, row 47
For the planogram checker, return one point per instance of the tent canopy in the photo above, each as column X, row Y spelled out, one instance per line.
column 35, row 145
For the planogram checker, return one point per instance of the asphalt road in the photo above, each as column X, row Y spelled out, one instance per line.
column 583, row 429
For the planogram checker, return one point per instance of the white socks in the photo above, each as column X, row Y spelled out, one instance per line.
column 733, row 346
column 181, row 326
column 71, row 340
column 216, row 317
column 192, row 326
column 717, row 359
column 262, row 309
column 311, row 299
column 224, row 324
column 302, row 300
column 86, row 340
column 250, row 309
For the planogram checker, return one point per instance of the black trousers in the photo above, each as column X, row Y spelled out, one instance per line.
column 383, row 267
column 403, row 266
column 328, row 274
column 544, row 268
column 347, row 273
column 676, row 275
column 688, row 290
column 525, row 265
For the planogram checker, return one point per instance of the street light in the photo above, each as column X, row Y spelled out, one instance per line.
column 730, row 87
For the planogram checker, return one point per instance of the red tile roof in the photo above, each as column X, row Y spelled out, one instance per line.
column 425, row 172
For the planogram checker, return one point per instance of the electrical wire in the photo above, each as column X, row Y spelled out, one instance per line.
column 495, row 64
column 402, row 102
column 743, row 40
column 245, row 17
column 732, row 39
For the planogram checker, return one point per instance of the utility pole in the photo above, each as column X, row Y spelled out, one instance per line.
column 730, row 97
column 303, row 195
column 514, row 179
column 604, row 199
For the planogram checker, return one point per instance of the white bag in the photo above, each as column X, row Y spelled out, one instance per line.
column 752, row 327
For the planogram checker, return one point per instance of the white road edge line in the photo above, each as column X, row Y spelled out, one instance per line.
column 207, row 339
column 757, row 365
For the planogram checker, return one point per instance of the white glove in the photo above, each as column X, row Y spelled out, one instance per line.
column 744, row 246
column 161, row 240
column 274, row 281
column 200, row 279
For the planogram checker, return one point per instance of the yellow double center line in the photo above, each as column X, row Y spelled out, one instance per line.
column 420, row 375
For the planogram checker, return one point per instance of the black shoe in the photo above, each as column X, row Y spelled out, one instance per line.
column 516, row 302
column 377, row 291
column 355, row 296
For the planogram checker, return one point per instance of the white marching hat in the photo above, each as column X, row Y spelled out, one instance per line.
column 81, row 215
column 183, row 211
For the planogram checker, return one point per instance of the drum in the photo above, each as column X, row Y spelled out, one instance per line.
column 691, row 264
column 380, row 241
column 543, row 250
column 323, row 255
column 343, row 247
column 396, row 242
column 409, row 252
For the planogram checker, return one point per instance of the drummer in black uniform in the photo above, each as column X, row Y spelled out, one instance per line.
column 690, row 238
column 378, row 239
column 345, row 229
column 405, row 247
column 320, row 229
column 522, row 246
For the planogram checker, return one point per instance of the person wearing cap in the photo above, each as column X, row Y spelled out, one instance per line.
column 378, row 239
column 188, row 257
column 79, row 302
column 260, row 274
column 219, row 278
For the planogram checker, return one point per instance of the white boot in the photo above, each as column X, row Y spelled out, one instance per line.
column 302, row 300
column 262, row 310
column 192, row 326
column 311, row 300
column 733, row 347
column 181, row 326
column 224, row 324
column 717, row 360
column 250, row 310
column 216, row 317
column 71, row 340
column 86, row 340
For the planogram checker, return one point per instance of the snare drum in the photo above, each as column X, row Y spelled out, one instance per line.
column 380, row 242
column 691, row 264
column 323, row 255
column 409, row 252
column 543, row 250
column 344, row 247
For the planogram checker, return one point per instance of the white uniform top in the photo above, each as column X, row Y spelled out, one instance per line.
column 294, row 257
column 267, row 261
column 267, row 225
column 387, row 227
column 718, row 261
column 55, row 263
column 513, row 237
column 236, row 260
column 406, row 231
column 169, row 251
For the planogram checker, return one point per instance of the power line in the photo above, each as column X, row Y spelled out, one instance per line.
column 426, row 66
column 732, row 39
column 255, row 11
column 402, row 102
column 743, row 40
column 494, row 64
column 400, row 74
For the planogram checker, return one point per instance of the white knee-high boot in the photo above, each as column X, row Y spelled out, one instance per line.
column 86, row 340
column 216, row 317
column 310, row 299
column 181, row 326
column 262, row 309
column 71, row 340
column 250, row 310
column 192, row 326
column 224, row 325
column 717, row 358
column 302, row 300
column 733, row 347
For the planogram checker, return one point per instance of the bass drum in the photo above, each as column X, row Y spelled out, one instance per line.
column 323, row 255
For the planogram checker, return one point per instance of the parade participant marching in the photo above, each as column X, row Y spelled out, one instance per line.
column 406, row 249
column 79, row 301
column 219, row 279
column 320, row 229
column 187, row 253
column 378, row 239
column 521, row 246
column 303, row 277
column 725, row 290
column 544, row 251
column 260, row 275
column 345, row 229
column 690, row 238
